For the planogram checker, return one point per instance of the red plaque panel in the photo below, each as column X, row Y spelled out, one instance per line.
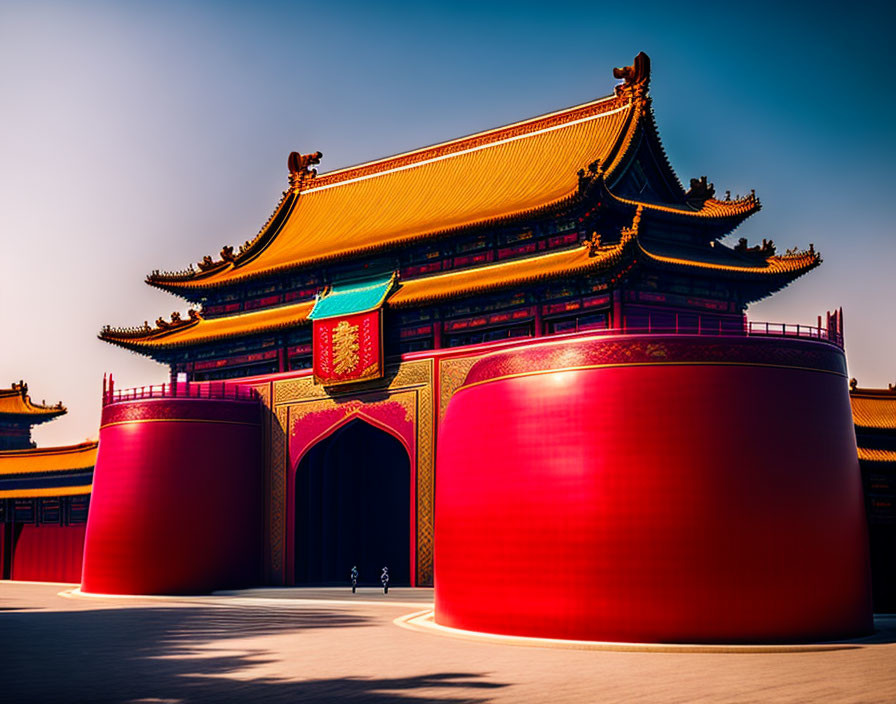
column 348, row 348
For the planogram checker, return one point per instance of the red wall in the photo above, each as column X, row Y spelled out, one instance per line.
column 657, row 490
column 177, row 498
column 49, row 553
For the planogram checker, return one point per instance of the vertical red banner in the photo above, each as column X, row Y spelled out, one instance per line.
column 348, row 348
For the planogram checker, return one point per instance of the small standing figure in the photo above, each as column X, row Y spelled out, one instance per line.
column 354, row 578
column 384, row 578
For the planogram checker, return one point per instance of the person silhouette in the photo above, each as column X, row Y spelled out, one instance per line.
column 384, row 578
column 354, row 578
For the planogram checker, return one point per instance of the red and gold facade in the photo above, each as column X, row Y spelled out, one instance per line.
column 487, row 308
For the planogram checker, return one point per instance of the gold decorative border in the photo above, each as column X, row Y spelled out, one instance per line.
column 277, row 515
column 177, row 420
column 452, row 374
column 264, row 394
column 411, row 385
column 614, row 365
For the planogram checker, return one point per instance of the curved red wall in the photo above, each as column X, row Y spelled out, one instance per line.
column 177, row 497
column 657, row 490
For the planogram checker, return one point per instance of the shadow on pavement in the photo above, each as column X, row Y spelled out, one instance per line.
column 162, row 655
column 884, row 631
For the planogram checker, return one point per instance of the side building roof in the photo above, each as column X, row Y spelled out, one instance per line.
column 16, row 405
column 48, row 471
column 873, row 409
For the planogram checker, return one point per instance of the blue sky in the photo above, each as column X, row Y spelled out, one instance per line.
column 139, row 136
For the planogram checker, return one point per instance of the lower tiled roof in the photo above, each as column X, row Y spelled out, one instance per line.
column 874, row 409
column 876, row 455
column 50, row 471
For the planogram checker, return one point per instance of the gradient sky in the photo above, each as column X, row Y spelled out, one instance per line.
column 138, row 136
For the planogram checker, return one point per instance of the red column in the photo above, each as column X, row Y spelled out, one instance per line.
column 617, row 321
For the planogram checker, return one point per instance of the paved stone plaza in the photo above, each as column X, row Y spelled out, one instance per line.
column 318, row 645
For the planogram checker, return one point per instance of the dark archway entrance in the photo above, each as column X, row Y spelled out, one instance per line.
column 353, row 508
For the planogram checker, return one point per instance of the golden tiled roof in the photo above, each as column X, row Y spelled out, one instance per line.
column 16, row 401
column 484, row 179
column 872, row 455
column 48, row 459
column 874, row 409
column 487, row 177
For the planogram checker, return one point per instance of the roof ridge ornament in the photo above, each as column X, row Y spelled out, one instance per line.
column 764, row 251
column 701, row 190
column 300, row 170
column 635, row 78
column 586, row 178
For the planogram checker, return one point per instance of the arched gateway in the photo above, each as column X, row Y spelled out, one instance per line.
column 353, row 507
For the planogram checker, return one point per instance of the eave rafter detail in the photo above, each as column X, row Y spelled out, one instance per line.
column 591, row 256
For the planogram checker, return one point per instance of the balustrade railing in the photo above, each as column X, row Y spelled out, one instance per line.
column 784, row 330
column 748, row 329
column 179, row 389
column 724, row 329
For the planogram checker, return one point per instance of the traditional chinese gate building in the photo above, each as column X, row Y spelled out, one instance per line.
column 376, row 294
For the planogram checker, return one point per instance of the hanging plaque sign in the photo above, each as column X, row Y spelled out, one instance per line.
column 347, row 331
column 348, row 348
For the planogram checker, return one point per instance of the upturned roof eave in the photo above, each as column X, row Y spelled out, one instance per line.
column 176, row 282
column 791, row 267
